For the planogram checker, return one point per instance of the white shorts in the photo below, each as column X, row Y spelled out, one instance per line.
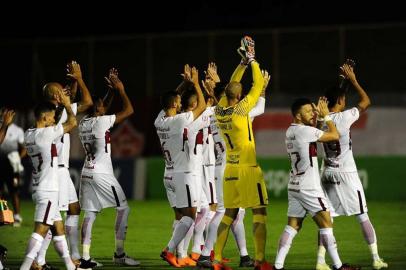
column 169, row 184
column 209, row 184
column 186, row 189
column 218, row 179
column 306, row 201
column 98, row 191
column 67, row 191
column 46, row 207
column 344, row 192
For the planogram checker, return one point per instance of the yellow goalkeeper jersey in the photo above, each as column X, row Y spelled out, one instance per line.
column 235, row 123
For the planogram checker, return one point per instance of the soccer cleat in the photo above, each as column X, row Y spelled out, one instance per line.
column 204, row 261
column 87, row 263
column 123, row 259
column 195, row 256
column 379, row 264
column 322, row 266
column 346, row 266
column 47, row 266
column 169, row 257
column 220, row 266
column 18, row 219
column 264, row 266
column 246, row 261
column 35, row 266
column 187, row 261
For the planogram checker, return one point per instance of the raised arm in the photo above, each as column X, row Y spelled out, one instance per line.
column 364, row 100
column 116, row 84
column 322, row 110
column 201, row 104
column 75, row 73
column 8, row 116
column 186, row 82
column 260, row 105
column 71, row 120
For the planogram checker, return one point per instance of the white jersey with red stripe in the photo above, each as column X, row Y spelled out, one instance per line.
column 172, row 133
column 44, row 158
column 209, row 157
column 63, row 142
column 94, row 133
column 338, row 154
column 302, row 150
column 14, row 137
column 196, row 141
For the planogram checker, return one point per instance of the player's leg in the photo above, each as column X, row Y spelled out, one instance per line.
column 34, row 244
column 290, row 231
column 60, row 243
column 73, row 214
column 187, row 197
column 13, row 188
column 222, row 232
column 238, row 230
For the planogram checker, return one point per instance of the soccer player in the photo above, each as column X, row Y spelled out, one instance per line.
column 243, row 182
column 11, row 151
column 305, row 194
column 68, row 199
column 41, row 148
column 171, row 125
column 220, row 155
column 99, row 188
column 340, row 178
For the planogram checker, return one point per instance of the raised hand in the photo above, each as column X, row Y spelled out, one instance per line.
column 74, row 72
column 63, row 98
column 348, row 71
column 187, row 73
column 212, row 72
column 322, row 107
column 113, row 82
column 194, row 76
column 267, row 78
column 8, row 116
column 247, row 50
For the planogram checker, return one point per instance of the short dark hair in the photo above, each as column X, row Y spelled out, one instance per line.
column 298, row 103
column 186, row 96
column 332, row 94
column 43, row 107
column 168, row 98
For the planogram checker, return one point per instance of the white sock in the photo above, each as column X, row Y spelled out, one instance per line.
column 180, row 231
column 186, row 240
column 285, row 242
column 200, row 224
column 329, row 242
column 209, row 217
column 369, row 235
column 31, row 253
column 40, row 259
column 72, row 233
column 121, row 228
column 87, row 226
column 61, row 247
column 239, row 232
column 321, row 253
column 212, row 233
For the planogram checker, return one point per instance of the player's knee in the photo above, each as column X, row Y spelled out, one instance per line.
column 259, row 211
column 259, row 218
column 362, row 217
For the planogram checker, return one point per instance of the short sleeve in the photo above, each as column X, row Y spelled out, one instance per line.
column 349, row 117
column 310, row 134
column 54, row 132
column 182, row 120
column 74, row 107
column 108, row 121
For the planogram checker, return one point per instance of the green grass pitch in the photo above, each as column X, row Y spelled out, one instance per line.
column 150, row 225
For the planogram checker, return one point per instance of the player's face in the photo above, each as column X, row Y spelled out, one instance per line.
column 49, row 118
column 307, row 115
